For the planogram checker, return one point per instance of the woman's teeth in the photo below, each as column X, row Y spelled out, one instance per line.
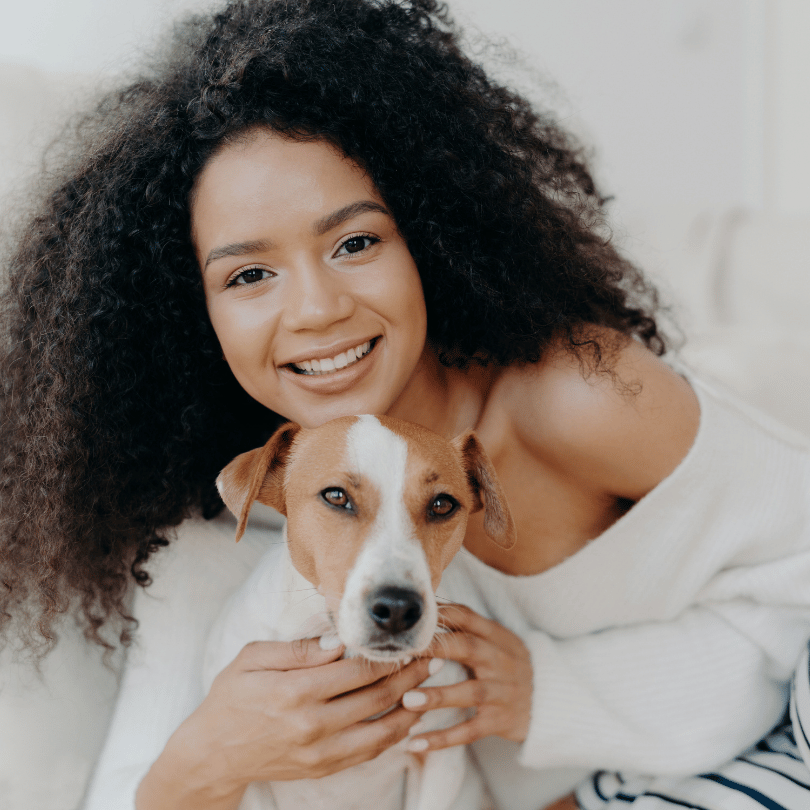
column 342, row 360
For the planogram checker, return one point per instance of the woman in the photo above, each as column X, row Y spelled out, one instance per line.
column 319, row 208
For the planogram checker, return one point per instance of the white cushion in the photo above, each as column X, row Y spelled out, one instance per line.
column 53, row 725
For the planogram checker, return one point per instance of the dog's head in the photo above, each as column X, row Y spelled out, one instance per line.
column 376, row 508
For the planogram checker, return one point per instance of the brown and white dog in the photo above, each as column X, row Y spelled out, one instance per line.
column 376, row 509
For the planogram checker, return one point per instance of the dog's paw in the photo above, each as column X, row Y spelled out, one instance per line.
column 329, row 641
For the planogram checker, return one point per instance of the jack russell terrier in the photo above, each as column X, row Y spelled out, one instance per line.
column 376, row 508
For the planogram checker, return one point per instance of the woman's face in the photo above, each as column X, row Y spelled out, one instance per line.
column 310, row 287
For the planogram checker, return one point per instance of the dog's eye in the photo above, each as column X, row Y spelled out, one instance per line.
column 335, row 496
column 442, row 506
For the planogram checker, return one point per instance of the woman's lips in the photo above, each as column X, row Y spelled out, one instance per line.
column 332, row 382
column 329, row 365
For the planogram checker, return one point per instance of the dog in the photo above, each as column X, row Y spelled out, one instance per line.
column 376, row 508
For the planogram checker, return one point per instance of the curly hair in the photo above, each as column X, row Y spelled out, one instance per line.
column 116, row 407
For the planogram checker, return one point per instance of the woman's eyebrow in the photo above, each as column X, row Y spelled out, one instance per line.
column 322, row 226
column 238, row 249
column 336, row 218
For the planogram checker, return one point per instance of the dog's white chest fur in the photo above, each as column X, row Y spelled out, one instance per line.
column 277, row 603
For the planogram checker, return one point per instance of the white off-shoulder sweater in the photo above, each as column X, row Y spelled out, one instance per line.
column 664, row 646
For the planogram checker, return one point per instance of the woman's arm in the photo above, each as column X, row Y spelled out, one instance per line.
column 674, row 697
column 707, row 678
column 269, row 714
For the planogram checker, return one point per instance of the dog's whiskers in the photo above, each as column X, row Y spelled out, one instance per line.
column 442, row 641
column 335, row 594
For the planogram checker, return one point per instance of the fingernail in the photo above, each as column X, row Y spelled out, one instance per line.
column 418, row 727
column 410, row 700
column 415, row 746
column 435, row 665
column 407, row 660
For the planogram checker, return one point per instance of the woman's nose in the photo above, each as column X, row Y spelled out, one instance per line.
column 315, row 299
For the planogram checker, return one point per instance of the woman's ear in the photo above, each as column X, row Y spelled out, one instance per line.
column 257, row 475
column 486, row 490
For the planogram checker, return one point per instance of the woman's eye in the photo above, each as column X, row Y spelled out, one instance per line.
column 337, row 497
column 356, row 244
column 249, row 275
column 442, row 506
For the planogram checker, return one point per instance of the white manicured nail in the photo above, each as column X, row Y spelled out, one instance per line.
column 407, row 660
column 435, row 665
column 417, row 745
column 411, row 700
column 418, row 727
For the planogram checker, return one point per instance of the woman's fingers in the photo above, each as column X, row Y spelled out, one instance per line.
column 320, row 704
column 461, row 734
column 465, row 622
column 499, row 688
column 348, row 709
column 352, row 675
column 460, row 617
column 322, row 675
column 467, row 694
column 364, row 741
column 284, row 655
column 298, row 720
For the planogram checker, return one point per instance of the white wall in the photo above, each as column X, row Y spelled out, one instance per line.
column 700, row 103
column 658, row 88
column 86, row 36
column 787, row 112
column 662, row 90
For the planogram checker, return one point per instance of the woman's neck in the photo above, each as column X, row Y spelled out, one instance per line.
column 446, row 400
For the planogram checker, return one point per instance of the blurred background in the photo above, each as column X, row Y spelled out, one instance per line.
column 697, row 115
column 694, row 102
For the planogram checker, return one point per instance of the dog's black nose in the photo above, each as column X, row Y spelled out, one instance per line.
column 394, row 609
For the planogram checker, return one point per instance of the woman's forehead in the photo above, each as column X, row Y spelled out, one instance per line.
column 271, row 159
column 265, row 177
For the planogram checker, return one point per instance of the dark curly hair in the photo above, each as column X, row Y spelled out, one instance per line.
column 117, row 409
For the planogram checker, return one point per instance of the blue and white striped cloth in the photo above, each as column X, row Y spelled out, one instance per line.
column 773, row 775
column 800, row 706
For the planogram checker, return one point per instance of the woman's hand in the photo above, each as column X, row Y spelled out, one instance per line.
column 280, row 711
column 499, row 689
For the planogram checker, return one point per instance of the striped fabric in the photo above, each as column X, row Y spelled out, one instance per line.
column 770, row 776
column 800, row 705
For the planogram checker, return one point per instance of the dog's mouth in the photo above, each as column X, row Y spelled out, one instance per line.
column 388, row 653
column 391, row 649
column 384, row 648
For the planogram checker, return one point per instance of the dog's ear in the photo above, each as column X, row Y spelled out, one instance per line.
column 257, row 475
column 487, row 490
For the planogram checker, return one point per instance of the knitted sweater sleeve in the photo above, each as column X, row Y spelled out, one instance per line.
column 678, row 697
column 667, row 645
column 162, row 682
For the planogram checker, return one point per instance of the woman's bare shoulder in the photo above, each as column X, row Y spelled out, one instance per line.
column 619, row 431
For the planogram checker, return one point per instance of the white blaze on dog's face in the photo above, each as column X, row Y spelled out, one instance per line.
column 373, row 518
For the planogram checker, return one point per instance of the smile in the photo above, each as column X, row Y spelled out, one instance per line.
column 330, row 364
